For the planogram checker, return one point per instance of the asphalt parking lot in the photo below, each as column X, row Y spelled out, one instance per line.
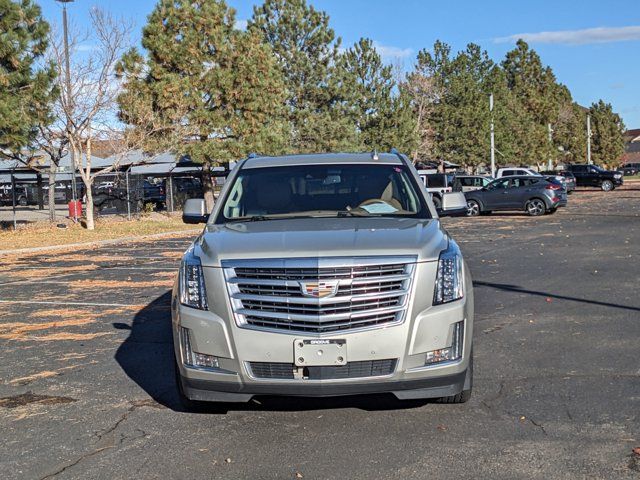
column 87, row 388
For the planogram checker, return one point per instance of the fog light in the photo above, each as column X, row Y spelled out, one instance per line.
column 207, row 361
column 449, row 354
column 195, row 359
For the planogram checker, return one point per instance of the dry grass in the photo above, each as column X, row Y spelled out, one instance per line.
column 43, row 234
column 79, row 285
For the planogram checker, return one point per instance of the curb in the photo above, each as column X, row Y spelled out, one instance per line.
column 111, row 241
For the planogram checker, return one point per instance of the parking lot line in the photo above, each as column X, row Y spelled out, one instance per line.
column 75, row 304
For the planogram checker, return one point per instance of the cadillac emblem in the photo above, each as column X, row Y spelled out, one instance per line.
column 324, row 289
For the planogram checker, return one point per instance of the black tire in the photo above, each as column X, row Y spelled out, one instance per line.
column 22, row 201
column 465, row 394
column 437, row 202
column 607, row 185
column 552, row 211
column 535, row 207
column 473, row 208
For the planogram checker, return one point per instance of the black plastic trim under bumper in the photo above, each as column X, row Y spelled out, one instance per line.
column 213, row 391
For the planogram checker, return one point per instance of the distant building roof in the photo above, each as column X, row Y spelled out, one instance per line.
column 632, row 136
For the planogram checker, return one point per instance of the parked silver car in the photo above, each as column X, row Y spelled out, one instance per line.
column 534, row 194
column 322, row 275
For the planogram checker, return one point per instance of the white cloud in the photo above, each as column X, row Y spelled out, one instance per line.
column 578, row 37
column 389, row 53
column 240, row 24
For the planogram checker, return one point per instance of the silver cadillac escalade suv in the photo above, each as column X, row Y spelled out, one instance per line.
column 323, row 275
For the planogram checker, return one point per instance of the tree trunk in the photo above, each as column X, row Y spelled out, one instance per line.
column 89, row 208
column 52, row 193
column 88, row 182
column 207, row 186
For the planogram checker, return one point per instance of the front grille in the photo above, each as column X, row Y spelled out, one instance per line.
column 362, row 369
column 278, row 294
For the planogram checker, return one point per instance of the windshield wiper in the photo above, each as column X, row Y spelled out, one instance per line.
column 353, row 213
column 261, row 218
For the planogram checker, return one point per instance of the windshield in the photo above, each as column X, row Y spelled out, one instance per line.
column 323, row 191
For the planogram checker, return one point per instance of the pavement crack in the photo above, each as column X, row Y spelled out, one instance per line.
column 539, row 425
column 102, row 437
column 75, row 462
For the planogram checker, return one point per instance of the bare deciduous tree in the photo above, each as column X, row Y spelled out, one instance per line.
column 89, row 108
column 422, row 91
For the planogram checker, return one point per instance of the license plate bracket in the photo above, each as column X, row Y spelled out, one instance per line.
column 319, row 352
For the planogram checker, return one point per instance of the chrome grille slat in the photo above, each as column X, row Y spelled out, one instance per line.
column 367, row 292
column 328, row 327
column 317, row 318
column 317, row 301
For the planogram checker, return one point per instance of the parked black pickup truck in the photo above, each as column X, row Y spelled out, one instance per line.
column 594, row 176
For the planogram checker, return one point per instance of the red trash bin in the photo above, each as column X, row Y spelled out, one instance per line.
column 75, row 209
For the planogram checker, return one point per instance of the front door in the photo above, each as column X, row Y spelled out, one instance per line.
column 497, row 195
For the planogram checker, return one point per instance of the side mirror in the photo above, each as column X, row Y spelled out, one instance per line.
column 195, row 211
column 454, row 204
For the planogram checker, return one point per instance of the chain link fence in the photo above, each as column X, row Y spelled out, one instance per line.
column 24, row 196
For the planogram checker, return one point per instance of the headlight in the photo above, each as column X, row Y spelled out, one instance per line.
column 192, row 291
column 449, row 280
column 617, row 175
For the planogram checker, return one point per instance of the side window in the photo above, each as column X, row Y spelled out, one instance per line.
column 508, row 173
column 518, row 182
column 466, row 181
column 580, row 169
column 477, row 182
column 592, row 170
column 502, row 185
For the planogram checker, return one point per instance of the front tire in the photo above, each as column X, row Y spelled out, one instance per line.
column 464, row 395
column 186, row 403
column 535, row 207
column 437, row 202
column 473, row 208
column 606, row 186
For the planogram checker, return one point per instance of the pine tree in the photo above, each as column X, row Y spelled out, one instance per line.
column 607, row 141
column 26, row 87
column 307, row 51
column 369, row 85
column 570, row 133
column 540, row 96
column 205, row 89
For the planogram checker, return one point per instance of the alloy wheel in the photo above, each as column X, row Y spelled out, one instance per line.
column 473, row 209
column 607, row 185
column 535, row 207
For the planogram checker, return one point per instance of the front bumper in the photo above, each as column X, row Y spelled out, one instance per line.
column 434, row 387
column 424, row 329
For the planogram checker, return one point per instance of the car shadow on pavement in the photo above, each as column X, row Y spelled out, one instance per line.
column 517, row 289
column 146, row 356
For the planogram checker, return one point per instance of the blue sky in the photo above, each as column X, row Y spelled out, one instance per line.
column 592, row 46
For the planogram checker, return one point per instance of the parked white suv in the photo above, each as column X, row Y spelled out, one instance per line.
column 321, row 275
column 513, row 171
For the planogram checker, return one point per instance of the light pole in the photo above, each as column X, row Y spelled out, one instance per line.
column 550, row 161
column 493, row 142
column 589, row 139
column 67, row 81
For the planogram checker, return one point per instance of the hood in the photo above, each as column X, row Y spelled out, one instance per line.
column 322, row 237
